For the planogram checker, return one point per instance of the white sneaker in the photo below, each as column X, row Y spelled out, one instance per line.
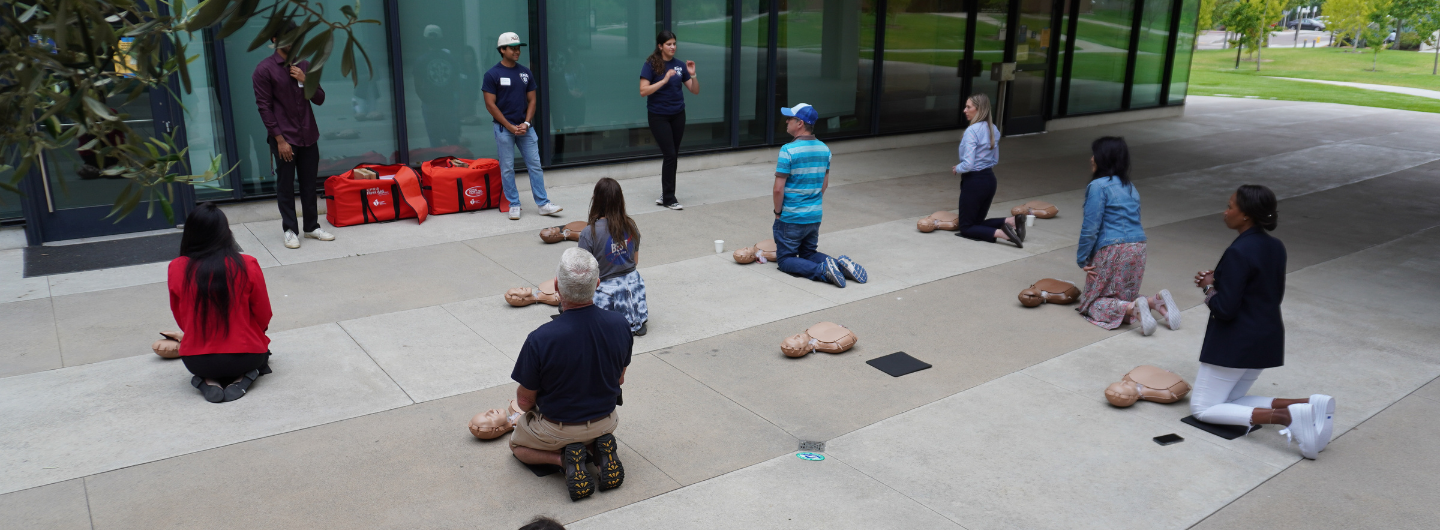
column 1302, row 430
column 1147, row 321
column 550, row 208
column 514, row 213
column 321, row 234
column 1172, row 311
column 1324, row 409
column 675, row 206
column 291, row 241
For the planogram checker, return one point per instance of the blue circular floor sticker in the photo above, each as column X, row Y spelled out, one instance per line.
column 813, row 457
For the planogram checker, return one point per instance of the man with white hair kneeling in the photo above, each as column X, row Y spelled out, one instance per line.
column 570, row 371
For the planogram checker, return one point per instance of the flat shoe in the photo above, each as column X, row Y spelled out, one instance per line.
column 1014, row 237
column 1020, row 227
column 213, row 393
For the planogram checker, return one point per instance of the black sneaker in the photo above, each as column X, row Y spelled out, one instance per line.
column 577, row 477
column 612, row 474
column 642, row 331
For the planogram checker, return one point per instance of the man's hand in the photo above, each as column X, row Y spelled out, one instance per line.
column 297, row 73
column 522, row 129
column 283, row 147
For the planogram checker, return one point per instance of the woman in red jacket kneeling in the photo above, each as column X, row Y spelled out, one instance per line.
column 218, row 297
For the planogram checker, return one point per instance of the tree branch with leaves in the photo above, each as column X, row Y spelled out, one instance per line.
column 68, row 64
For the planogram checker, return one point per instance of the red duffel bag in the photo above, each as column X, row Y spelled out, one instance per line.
column 449, row 186
column 394, row 195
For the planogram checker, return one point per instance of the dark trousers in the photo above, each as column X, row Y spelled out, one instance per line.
column 977, row 190
column 667, row 131
column 226, row 366
column 306, row 162
column 795, row 252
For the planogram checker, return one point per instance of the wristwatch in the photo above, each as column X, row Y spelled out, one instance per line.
column 777, row 213
column 527, row 124
column 1206, row 290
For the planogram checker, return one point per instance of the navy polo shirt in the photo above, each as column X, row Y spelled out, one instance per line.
column 510, row 85
column 668, row 100
column 574, row 363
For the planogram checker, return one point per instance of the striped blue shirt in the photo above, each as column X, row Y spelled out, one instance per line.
column 806, row 162
column 976, row 153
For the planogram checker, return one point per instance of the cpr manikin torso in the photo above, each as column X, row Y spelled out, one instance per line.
column 827, row 337
column 939, row 220
column 1049, row 291
column 1148, row 383
column 764, row 252
column 556, row 234
column 168, row 348
column 1039, row 209
column 523, row 296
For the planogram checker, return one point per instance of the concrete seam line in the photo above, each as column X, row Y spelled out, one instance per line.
column 377, row 363
column 892, row 488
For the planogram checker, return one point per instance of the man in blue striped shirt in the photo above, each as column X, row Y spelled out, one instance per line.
column 801, row 177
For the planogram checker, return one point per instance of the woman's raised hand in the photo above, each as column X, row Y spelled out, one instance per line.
column 690, row 67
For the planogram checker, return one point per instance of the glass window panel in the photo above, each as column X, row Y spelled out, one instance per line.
column 601, row 44
column 990, row 28
column 754, row 70
column 1150, row 57
column 1102, row 38
column 825, row 58
column 204, row 127
column 702, row 34
column 448, row 47
column 924, row 45
column 1184, row 48
column 1025, row 105
column 72, row 185
column 355, row 122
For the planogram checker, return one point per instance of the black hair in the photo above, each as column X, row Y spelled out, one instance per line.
column 214, row 267
column 543, row 523
column 1258, row 203
column 657, row 62
column 1112, row 158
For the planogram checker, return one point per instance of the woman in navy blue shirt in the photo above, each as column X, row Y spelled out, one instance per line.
column 660, row 80
column 1112, row 246
column 1246, row 333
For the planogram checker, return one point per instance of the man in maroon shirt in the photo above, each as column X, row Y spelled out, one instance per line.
column 291, row 132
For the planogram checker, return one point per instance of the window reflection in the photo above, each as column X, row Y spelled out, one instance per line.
column 1184, row 49
column 596, row 49
column 1102, row 38
column 1150, row 56
column 826, row 58
column 924, row 48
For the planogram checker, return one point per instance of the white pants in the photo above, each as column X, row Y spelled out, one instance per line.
column 1219, row 395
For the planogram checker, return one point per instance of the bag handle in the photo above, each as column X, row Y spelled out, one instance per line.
column 408, row 186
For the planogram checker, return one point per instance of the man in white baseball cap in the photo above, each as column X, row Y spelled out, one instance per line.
column 509, row 89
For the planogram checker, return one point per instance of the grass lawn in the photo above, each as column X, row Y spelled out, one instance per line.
column 1213, row 73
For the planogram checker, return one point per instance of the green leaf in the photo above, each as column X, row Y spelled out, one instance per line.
column 347, row 60
column 25, row 17
column 319, row 50
column 278, row 17
column 239, row 18
column 99, row 109
column 208, row 14
column 348, row 11
column 165, row 207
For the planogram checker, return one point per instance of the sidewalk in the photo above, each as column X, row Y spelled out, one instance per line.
column 388, row 340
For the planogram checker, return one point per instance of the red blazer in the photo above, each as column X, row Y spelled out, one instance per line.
column 249, row 313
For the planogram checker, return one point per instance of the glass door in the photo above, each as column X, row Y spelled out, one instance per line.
column 76, row 198
column 1025, row 97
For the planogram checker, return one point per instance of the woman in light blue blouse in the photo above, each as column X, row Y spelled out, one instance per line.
column 979, row 151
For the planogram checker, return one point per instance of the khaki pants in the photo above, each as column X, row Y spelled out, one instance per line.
column 536, row 433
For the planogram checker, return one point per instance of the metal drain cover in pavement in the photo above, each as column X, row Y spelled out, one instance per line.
column 818, row 447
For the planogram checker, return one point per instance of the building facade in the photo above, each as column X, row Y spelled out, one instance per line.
column 870, row 67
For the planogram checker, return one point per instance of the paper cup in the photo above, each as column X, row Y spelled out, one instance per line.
column 719, row 246
column 1029, row 220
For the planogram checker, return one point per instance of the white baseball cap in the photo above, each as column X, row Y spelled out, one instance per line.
column 509, row 39
column 432, row 31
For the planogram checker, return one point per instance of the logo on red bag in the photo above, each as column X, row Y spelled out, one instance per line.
column 475, row 191
column 377, row 191
column 378, row 202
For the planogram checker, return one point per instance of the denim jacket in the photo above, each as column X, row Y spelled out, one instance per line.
column 1112, row 217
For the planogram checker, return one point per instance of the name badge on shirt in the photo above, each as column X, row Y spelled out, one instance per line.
column 504, row 81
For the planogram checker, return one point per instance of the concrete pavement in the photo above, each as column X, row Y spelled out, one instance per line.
column 388, row 340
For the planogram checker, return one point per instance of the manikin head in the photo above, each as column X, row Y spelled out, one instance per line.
column 490, row 424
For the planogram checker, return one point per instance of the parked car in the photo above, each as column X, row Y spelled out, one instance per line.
column 1306, row 24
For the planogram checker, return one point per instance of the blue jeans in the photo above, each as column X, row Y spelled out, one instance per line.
column 795, row 250
column 529, row 148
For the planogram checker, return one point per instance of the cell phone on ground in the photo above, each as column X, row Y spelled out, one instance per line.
column 1168, row 439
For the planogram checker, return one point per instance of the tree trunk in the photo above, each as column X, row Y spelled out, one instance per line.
column 1240, row 46
column 1435, row 68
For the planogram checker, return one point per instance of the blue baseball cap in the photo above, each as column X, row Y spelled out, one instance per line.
column 803, row 111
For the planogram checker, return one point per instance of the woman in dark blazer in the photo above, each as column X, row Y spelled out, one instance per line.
column 1246, row 333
